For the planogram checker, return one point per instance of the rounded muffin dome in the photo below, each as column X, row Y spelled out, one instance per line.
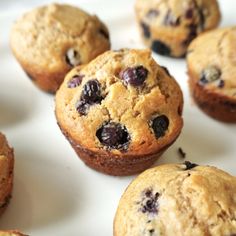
column 121, row 108
column 168, row 26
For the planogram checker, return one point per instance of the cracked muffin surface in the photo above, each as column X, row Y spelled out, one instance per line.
column 6, row 172
column 120, row 109
column 168, row 26
column 178, row 199
column 50, row 40
column 212, row 81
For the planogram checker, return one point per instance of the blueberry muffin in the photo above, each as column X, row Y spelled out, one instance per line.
column 50, row 40
column 180, row 200
column 6, row 172
column 120, row 111
column 11, row 233
column 168, row 26
column 212, row 73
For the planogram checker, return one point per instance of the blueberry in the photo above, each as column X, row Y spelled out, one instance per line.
column 151, row 231
column 134, row 76
column 75, row 81
column 210, row 74
column 189, row 165
column 91, row 92
column 82, row 107
column 149, row 203
column 146, row 30
column 113, row 135
column 72, row 57
column 221, row 84
column 161, row 48
column 189, row 13
column 159, row 125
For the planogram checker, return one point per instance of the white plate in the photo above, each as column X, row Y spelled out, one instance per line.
column 54, row 192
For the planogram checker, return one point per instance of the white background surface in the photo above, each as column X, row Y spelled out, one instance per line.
column 54, row 192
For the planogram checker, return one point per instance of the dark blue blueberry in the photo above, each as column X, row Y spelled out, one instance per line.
column 75, row 81
column 91, row 92
column 210, row 74
column 134, row 76
column 221, row 84
column 161, row 48
column 189, row 165
column 159, row 125
column 82, row 107
column 113, row 135
column 189, row 13
column 149, row 202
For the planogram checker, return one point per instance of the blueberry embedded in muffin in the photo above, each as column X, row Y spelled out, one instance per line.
column 178, row 199
column 51, row 40
column 212, row 73
column 120, row 112
column 168, row 27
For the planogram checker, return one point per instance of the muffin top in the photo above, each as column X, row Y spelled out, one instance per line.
column 180, row 200
column 212, row 61
column 177, row 20
column 122, row 102
column 57, row 37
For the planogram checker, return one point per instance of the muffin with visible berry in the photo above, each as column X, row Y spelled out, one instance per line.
column 11, row 233
column 50, row 40
column 6, row 172
column 212, row 73
column 178, row 199
column 120, row 111
column 168, row 26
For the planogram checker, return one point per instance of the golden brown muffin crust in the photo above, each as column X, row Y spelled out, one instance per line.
column 115, row 134
column 178, row 200
column 45, row 39
column 212, row 68
column 174, row 23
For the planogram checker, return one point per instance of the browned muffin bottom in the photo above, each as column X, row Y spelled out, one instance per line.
column 212, row 73
column 120, row 111
column 168, row 26
column 6, row 173
column 50, row 40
